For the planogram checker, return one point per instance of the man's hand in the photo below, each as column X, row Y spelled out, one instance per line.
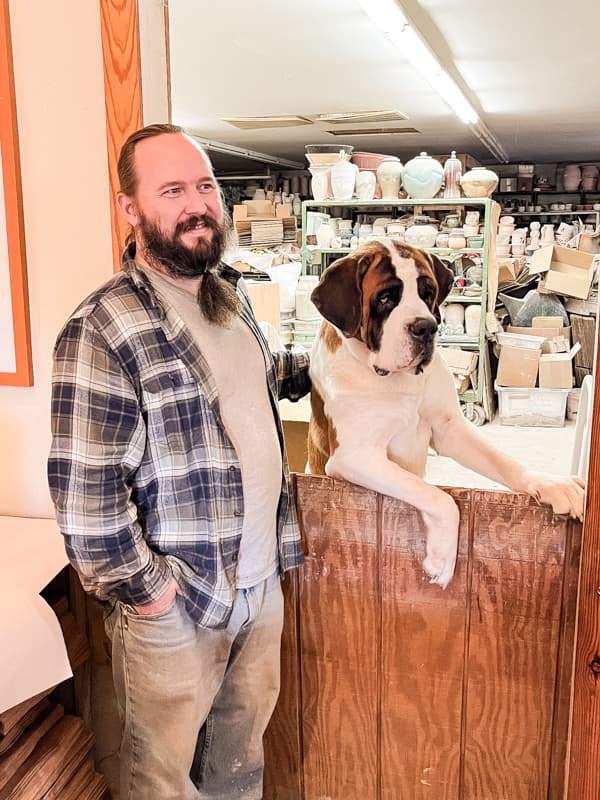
column 565, row 495
column 164, row 602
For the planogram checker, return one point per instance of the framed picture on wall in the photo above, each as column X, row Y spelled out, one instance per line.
column 15, row 338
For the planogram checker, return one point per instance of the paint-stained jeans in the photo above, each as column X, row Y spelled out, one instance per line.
column 174, row 679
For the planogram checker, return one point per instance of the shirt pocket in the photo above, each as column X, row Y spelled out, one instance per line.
column 171, row 403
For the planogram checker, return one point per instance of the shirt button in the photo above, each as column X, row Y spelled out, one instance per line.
column 237, row 513
column 232, row 469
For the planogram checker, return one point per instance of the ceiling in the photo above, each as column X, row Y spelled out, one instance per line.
column 529, row 72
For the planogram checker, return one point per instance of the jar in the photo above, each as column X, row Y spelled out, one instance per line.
column 422, row 177
column 366, row 183
column 452, row 173
column 421, row 234
column 479, row 182
column 324, row 235
column 454, row 318
column 442, row 240
column 389, row 175
column 305, row 308
column 472, row 320
column 343, row 178
column 456, row 239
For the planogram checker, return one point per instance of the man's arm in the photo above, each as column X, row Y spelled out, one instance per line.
column 98, row 440
column 293, row 380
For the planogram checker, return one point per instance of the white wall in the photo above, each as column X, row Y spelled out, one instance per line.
column 57, row 56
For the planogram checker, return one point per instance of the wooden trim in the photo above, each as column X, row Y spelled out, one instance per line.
column 13, row 203
column 123, row 96
column 168, row 58
column 584, row 764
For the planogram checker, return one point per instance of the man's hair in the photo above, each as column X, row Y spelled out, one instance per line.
column 126, row 166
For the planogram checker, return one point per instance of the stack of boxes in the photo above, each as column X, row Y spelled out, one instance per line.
column 537, row 364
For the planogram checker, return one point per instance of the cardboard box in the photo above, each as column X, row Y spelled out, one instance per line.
column 261, row 209
column 518, row 367
column 565, row 271
column 462, row 365
column 584, row 332
column 264, row 299
column 549, row 335
column 556, row 369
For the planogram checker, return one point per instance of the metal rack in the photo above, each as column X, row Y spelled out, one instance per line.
column 472, row 399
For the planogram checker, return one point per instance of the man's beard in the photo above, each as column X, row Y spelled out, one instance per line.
column 217, row 298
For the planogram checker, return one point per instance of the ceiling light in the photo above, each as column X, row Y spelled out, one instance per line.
column 242, row 152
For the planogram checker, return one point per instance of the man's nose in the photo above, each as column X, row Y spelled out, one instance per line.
column 195, row 204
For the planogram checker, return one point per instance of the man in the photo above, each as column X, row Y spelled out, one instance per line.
column 169, row 477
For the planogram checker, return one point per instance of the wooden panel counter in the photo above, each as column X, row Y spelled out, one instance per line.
column 393, row 689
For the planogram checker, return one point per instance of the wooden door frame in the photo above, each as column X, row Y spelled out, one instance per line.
column 123, row 94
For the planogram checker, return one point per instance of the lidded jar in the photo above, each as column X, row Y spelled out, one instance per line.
column 422, row 177
column 452, row 175
column 389, row 176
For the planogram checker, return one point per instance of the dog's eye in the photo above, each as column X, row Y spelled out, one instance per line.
column 385, row 300
column 427, row 293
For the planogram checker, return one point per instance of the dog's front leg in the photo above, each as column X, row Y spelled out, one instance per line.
column 375, row 471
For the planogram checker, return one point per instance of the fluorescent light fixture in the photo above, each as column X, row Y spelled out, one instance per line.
column 242, row 152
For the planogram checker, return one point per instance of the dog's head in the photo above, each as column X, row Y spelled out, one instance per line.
column 386, row 295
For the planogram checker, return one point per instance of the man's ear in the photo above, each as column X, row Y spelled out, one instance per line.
column 338, row 295
column 127, row 208
column 444, row 277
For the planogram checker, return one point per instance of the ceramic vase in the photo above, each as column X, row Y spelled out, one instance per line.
column 452, row 173
column 479, row 182
column 319, row 184
column 343, row 178
column 422, row 177
column 366, row 183
column 389, row 176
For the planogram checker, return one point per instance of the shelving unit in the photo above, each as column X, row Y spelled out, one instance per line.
column 471, row 400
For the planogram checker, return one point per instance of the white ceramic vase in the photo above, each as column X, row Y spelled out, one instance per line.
column 343, row 178
column 366, row 183
column 389, row 176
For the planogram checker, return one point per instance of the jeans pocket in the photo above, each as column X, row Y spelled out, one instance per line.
column 133, row 614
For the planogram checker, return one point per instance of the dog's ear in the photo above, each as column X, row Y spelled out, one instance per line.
column 338, row 295
column 444, row 277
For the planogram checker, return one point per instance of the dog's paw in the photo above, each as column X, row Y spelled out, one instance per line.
column 440, row 570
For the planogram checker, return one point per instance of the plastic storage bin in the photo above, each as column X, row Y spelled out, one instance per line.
column 540, row 408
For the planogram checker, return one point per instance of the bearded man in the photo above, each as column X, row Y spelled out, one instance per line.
column 169, row 477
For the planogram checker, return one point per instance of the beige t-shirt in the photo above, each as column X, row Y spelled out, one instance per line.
column 239, row 372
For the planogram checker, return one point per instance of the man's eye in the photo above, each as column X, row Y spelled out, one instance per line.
column 206, row 187
column 173, row 190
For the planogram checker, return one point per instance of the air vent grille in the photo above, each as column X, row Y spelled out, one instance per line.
column 355, row 117
column 371, row 131
column 257, row 123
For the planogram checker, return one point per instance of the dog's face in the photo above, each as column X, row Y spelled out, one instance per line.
column 386, row 295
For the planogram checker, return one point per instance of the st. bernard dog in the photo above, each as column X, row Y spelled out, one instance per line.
column 382, row 394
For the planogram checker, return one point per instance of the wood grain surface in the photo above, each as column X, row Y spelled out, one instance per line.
column 408, row 692
column 123, row 96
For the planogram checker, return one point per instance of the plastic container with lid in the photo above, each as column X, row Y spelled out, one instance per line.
column 305, row 308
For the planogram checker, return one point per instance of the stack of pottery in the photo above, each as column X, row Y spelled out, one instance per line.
column 589, row 178
column 422, row 177
column 534, row 242
column 505, row 231
column 571, row 178
column 322, row 157
column 518, row 241
column 547, row 235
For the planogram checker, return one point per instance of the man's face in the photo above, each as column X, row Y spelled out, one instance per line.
column 178, row 210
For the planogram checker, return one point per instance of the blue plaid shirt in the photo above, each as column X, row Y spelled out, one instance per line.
column 145, row 480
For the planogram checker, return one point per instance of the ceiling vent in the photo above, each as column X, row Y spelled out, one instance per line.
column 371, row 131
column 258, row 123
column 356, row 117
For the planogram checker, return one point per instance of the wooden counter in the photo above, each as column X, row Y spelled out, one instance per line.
column 395, row 689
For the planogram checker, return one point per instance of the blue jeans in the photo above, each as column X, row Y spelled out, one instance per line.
column 196, row 700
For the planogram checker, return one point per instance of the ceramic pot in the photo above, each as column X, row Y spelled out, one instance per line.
column 456, row 240
column 422, row 177
column 343, row 178
column 389, row 176
column 479, row 182
column 319, row 184
column 452, row 173
column 366, row 183
column 421, row 235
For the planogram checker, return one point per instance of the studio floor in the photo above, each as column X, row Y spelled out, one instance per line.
column 544, row 449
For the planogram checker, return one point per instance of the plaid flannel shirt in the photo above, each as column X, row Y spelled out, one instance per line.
column 145, row 480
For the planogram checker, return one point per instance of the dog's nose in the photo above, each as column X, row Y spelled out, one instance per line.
column 423, row 328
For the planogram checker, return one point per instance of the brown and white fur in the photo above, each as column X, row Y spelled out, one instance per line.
column 382, row 394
